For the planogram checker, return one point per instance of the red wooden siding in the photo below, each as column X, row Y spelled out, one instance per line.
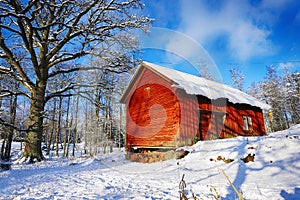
column 222, row 119
column 153, row 113
column 189, row 122
column 234, row 124
column 212, row 115
column 159, row 115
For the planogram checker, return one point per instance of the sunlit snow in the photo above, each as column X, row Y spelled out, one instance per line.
column 274, row 174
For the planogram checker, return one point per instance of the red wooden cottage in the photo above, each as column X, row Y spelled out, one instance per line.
column 168, row 109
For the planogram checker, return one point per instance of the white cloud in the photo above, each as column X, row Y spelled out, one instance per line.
column 277, row 5
column 288, row 65
column 247, row 41
column 184, row 46
column 237, row 20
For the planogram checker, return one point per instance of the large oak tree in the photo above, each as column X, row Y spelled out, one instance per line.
column 39, row 39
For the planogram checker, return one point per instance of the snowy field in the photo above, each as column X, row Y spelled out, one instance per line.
column 274, row 174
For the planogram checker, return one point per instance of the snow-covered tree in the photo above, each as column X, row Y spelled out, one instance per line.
column 291, row 90
column 205, row 72
column 282, row 92
column 274, row 96
column 51, row 37
column 237, row 78
column 10, row 89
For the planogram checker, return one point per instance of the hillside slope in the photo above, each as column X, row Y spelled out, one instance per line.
column 274, row 174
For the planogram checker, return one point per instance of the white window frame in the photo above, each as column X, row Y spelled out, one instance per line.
column 249, row 121
column 245, row 120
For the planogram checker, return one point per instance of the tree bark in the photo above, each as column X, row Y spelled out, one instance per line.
column 75, row 128
column 67, row 128
column 13, row 110
column 58, row 133
column 52, row 128
column 33, row 141
column 69, row 136
column 3, row 135
column 110, row 124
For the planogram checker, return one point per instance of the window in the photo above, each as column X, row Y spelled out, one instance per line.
column 147, row 92
column 247, row 122
column 246, row 128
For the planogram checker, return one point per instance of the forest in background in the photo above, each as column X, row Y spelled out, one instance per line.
column 92, row 114
column 59, row 64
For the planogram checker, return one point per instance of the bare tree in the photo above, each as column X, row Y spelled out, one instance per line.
column 10, row 125
column 50, row 34
column 237, row 78
column 205, row 71
column 67, row 129
column 51, row 126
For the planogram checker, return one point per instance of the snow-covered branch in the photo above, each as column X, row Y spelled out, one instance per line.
column 71, row 86
column 6, row 93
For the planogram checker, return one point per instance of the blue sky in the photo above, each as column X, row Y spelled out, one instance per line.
column 248, row 35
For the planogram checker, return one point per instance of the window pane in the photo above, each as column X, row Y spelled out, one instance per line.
column 245, row 123
column 250, row 121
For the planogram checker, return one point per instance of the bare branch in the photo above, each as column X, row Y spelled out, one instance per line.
column 10, row 29
column 12, row 60
column 4, row 123
column 70, row 87
column 70, row 34
column 75, row 69
column 26, row 31
column 11, row 73
column 6, row 93
column 67, row 57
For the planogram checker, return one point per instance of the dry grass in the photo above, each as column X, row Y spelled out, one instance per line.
column 214, row 192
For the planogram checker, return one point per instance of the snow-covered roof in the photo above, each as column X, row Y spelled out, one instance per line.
column 195, row 85
column 201, row 86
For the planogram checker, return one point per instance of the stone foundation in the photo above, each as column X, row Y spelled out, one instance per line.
column 150, row 156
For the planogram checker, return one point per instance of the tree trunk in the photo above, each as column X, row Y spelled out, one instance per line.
column 58, row 133
column 286, row 119
column 52, row 128
column 75, row 129
column 66, row 127
column 110, row 124
column 13, row 110
column 86, row 129
column 69, row 130
column 2, row 150
column 3, row 143
column 120, row 126
column 33, row 141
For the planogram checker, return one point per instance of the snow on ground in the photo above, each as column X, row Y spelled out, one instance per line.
column 274, row 174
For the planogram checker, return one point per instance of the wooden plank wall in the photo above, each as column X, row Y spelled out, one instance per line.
column 152, row 113
column 235, row 124
column 159, row 115
column 212, row 112
column 212, row 115
column 189, row 121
